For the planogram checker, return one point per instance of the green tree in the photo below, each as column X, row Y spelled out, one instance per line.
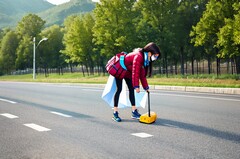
column 78, row 40
column 30, row 26
column 229, row 37
column 8, row 52
column 86, row 42
column 71, row 40
column 69, row 48
column 3, row 32
column 160, row 18
column 187, row 14
column 1, row 35
column 24, row 53
column 48, row 54
column 208, row 30
column 114, row 30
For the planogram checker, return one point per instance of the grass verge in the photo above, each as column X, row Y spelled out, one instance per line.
column 195, row 81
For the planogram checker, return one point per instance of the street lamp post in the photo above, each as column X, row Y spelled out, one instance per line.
column 34, row 55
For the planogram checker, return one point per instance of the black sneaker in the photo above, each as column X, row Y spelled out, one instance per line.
column 116, row 117
column 135, row 114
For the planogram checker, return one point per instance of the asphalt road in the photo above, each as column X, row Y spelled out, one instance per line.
column 61, row 121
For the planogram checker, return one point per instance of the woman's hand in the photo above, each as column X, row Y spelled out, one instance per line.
column 137, row 90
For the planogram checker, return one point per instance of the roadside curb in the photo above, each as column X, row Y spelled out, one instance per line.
column 199, row 89
column 235, row 91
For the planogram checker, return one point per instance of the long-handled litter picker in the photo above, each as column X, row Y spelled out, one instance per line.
column 149, row 117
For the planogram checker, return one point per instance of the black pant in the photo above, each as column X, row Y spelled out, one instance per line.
column 119, row 89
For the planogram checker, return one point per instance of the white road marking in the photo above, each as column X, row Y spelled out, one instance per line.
column 9, row 116
column 37, row 127
column 191, row 96
column 142, row 135
column 9, row 101
column 61, row 114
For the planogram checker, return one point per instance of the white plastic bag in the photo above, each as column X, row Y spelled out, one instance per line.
column 109, row 92
column 141, row 99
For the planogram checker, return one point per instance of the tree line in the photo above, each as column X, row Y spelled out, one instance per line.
column 187, row 31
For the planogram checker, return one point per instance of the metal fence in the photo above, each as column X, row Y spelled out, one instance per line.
column 199, row 68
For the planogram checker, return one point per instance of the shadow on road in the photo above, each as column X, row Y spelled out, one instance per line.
column 159, row 122
column 199, row 129
column 49, row 108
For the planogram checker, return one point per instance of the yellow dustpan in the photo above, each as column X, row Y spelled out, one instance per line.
column 149, row 117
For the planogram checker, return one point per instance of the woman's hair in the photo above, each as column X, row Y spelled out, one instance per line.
column 154, row 49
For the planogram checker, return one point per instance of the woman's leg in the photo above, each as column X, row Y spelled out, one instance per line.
column 117, row 93
column 116, row 99
column 135, row 114
column 131, row 92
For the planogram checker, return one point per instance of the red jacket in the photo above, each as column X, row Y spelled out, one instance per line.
column 134, row 62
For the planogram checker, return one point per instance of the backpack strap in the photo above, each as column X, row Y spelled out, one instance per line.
column 122, row 62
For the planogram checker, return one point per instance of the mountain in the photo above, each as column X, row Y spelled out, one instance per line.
column 57, row 14
column 12, row 11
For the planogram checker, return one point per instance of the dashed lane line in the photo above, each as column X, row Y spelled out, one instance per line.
column 9, row 115
column 9, row 101
column 142, row 135
column 37, row 127
column 61, row 114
